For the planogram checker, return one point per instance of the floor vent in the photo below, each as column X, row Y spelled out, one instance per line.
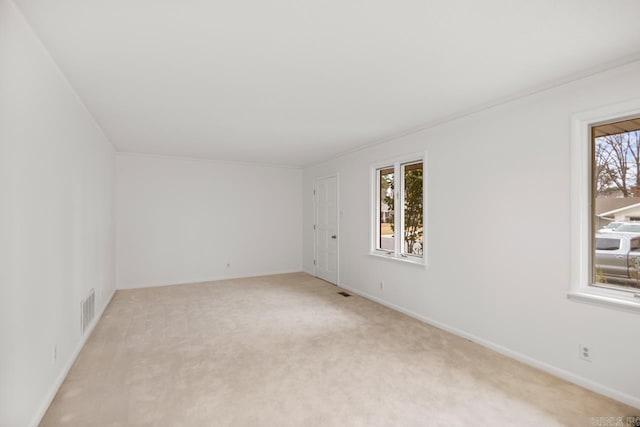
column 344, row 294
column 87, row 310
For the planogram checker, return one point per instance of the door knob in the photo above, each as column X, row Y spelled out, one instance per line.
column 334, row 236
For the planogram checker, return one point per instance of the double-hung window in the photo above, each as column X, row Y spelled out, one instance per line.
column 606, row 206
column 398, row 226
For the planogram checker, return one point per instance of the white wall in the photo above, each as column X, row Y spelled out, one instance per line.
column 56, row 221
column 182, row 220
column 498, row 212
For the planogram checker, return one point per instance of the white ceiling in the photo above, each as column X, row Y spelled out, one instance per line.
column 294, row 81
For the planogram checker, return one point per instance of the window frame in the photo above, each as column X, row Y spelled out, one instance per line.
column 582, row 202
column 377, row 246
column 397, row 254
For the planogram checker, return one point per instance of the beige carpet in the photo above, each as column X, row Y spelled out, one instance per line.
column 287, row 350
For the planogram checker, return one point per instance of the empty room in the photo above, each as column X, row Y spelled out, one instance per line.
column 336, row 213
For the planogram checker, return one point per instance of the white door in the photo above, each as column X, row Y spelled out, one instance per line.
column 326, row 229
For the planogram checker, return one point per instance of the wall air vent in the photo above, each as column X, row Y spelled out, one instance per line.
column 87, row 310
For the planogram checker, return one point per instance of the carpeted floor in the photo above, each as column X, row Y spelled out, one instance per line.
column 287, row 350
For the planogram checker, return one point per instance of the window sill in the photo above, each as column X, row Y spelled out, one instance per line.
column 419, row 262
column 605, row 299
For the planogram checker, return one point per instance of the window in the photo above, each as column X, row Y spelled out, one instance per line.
column 606, row 195
column 398, row 220
column 622, row 228
column 607, row 244
column 386, row 212
column 615, row 177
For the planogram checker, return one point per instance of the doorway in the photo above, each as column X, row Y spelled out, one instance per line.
column 326, row 229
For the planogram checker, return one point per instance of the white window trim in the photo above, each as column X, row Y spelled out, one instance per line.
column 396, row 256
column 582, row 290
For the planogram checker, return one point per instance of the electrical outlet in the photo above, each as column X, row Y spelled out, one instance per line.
column 381, row 285
column 585, row 353
column 54, row 354
column 228, row 265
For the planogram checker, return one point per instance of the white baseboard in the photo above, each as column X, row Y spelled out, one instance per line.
column 67, row 367
column 550, row 369
column 214, row 279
